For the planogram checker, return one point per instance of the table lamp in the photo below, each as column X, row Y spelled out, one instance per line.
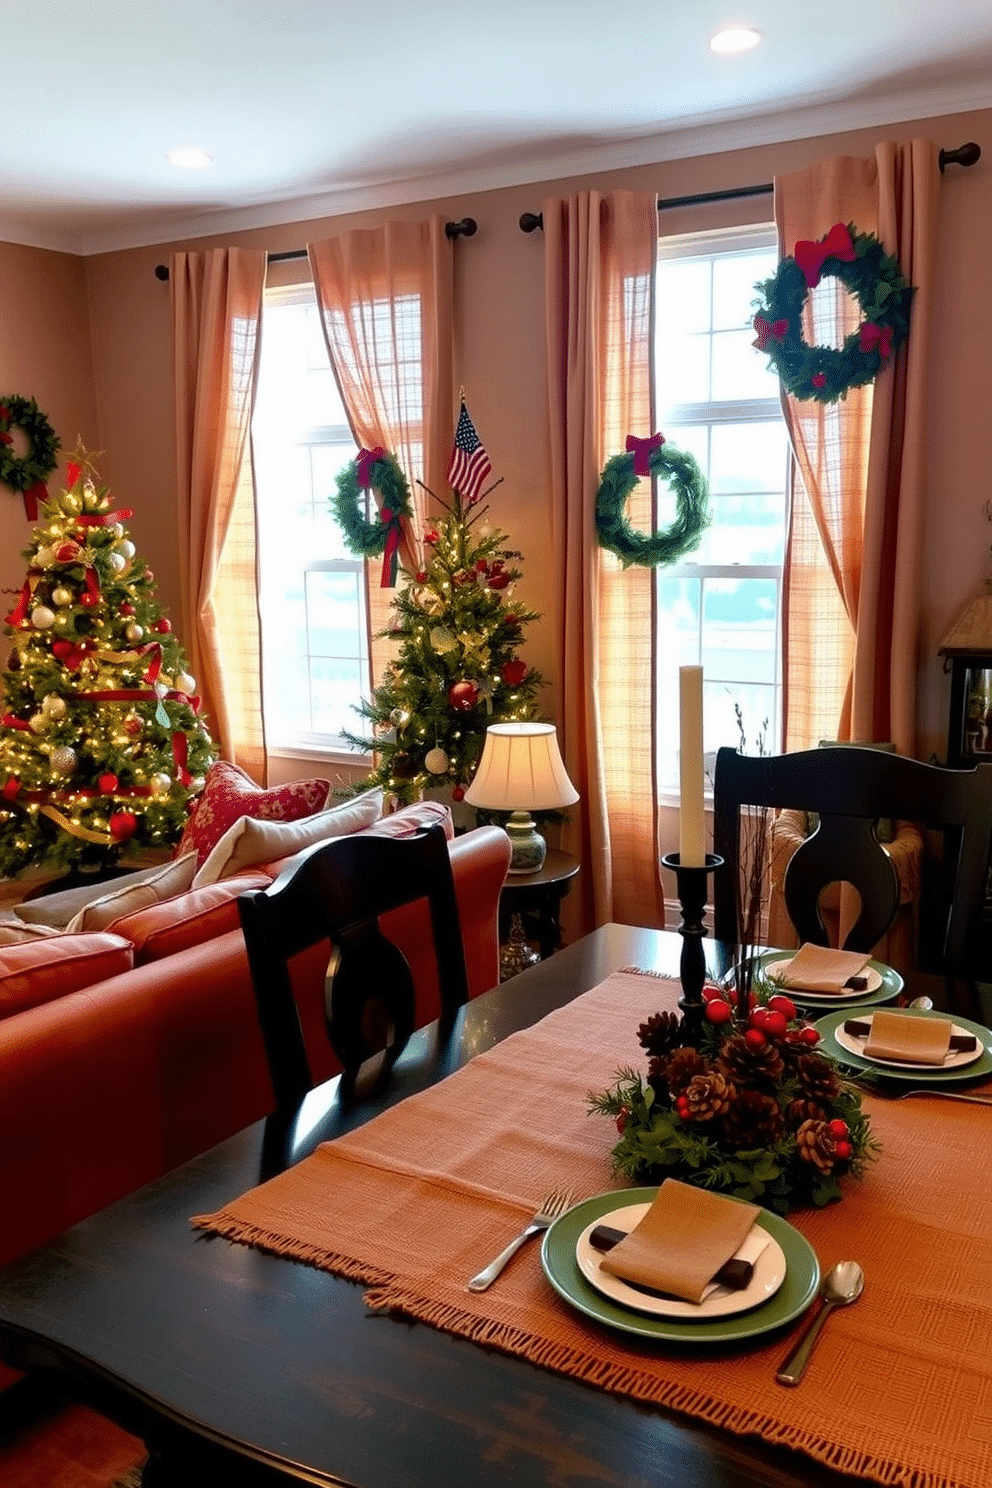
column 521, row 771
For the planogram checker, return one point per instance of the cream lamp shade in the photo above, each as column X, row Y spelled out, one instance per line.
column 521, row 771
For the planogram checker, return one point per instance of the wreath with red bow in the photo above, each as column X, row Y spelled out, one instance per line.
column 373, row 468
column 620, row 475
column 27, row 473
column 884, row 295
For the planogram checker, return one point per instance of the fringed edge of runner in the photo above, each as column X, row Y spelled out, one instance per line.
column 659, row 976
column 631, row 1382
column 227, row 1227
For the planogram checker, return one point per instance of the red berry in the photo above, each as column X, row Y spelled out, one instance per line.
column 682, row 1106
column 127, row 609
column 622, row 1118
column 783, row 1005
column 711, row 994
column 718, row 1011
column 809, row 1035
column 837, row 1128
column 843, row 1150
column 755, row 1039
column 774, row 1024
column 108, row 783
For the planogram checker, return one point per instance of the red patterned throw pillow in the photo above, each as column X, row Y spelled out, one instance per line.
column 230, row 794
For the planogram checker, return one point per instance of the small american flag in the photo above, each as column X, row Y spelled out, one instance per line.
column 470, row 465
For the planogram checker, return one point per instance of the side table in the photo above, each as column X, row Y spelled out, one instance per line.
column 529, row 905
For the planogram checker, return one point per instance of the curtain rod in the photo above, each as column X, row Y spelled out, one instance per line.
column 466, row 228
column 964, row 155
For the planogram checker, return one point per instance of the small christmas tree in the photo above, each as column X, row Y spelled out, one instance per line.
column 458, row 668
column 101, row 745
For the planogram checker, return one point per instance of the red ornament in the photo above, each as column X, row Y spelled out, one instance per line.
column 809, row 1036
column 108, row 783
column 718, row 1011
column 11, row 788
column 133, row 726
column 421, row 576
column 463, row 696
column 623, row 1115
column 458, row 793
column 67, row 552
column 123, row 824
column 843, row 1150
column 127, row 609
column 509, row 619
column 513, row 672
column 498, row 580
column 481, row 566
column 430, row 537
column 783, row 1005
column 88, row 600
column 162, row 626
column 837, row 1127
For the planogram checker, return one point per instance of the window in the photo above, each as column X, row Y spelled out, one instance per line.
column 721, row 606
column 315, row 664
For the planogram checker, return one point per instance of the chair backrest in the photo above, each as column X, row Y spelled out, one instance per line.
column 336, row 891
column 850, row 788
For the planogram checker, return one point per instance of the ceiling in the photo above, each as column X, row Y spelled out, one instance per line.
column 312, row 107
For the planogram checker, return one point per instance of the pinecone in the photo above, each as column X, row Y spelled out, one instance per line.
column 818, row 1078
column 681, row 1066
column 815, row 1145
column 660, row 1034
column 746, row 1066
column 753, row 1120
column 708, row 1096
column 802, row 1110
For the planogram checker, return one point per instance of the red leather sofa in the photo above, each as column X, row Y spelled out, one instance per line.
column 125, row 1053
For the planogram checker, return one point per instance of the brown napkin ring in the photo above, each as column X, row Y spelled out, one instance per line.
column 734, row 1275
column 964, row 1042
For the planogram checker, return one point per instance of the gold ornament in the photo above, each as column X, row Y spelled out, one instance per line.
column 63, row 759
column 61, row 595
column 436, row 760
column 53, row 705
column 38, row 723
column 134, row 631
column 44, row 558
column 442, row 640
column 161, row 783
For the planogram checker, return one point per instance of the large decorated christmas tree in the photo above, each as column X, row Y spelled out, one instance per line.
column 101, row 742
column 459, row 627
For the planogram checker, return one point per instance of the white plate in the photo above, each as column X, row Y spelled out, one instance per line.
column 872, row 977
column 953, row 1059
column 769, row 1274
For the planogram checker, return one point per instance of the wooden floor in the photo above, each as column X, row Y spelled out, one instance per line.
column 46, row 1443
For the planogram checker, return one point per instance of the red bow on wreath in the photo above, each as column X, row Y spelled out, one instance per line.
column 390, row 555
column 872, row 337
column 811, row 256
column 642, row 451
column 364, row 461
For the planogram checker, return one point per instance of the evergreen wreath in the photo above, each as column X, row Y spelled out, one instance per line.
column 371, row 468
column 691, row 515
column 23, row 472
column 859, row 261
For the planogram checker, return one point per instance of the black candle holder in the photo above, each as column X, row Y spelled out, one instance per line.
column 692, row 966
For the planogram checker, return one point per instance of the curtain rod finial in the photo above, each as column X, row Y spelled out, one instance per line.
column 968, row 154
column 161, row 272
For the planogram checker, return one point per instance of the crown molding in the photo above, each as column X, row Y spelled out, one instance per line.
column 691, row 136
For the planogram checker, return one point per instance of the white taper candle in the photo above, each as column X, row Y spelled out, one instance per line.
column 692, row 845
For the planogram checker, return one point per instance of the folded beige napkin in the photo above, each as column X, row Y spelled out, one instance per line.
column 682, row 1241
column 917, row 1040
column 821, row 969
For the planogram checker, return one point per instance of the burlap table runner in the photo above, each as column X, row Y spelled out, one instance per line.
column 415, row 1202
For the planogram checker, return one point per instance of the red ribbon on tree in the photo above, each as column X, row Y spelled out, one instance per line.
column 34, row 494
column 872, row 336
column 72, row 471
column 390, row 556
column 364, row 462
column 642, row 451
column 768, row 330
column 9, row 721
column 180, row 754
column 92, row 586
column 811, row 256
column 20, row 611
column 106, row 520
column 72, row 654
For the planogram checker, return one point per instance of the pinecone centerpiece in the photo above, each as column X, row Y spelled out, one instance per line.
column 756, row 1110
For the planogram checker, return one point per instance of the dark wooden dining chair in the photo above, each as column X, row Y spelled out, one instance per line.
column 336, row 892
column 851, row 788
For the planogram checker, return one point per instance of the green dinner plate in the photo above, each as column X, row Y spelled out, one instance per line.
column 982, row 1066
column 797, row 1291
column 892, row 985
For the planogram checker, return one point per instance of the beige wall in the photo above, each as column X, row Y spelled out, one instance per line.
column 500, row 359
column 45, row 354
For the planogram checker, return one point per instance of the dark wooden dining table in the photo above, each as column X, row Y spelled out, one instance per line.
column 239, row 1367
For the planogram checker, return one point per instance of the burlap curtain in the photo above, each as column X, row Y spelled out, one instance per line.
column 385, row 298
column 216, row 315
column 852, row 576
column 600, row 254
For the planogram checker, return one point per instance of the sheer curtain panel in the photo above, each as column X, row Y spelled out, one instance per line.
column 216, row 316
column 600, row 254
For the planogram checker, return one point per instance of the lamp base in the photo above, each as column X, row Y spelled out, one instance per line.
column 529, row 847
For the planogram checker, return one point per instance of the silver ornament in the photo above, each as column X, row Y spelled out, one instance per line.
column 44, row 558
column 63, row 759
column 134, row 631
column 42, row 618
column 117, row 562
column 436, row 760
column 161, row 783
column 185, row 683
column 399, row 716
column 127, row 549
column 53, row 705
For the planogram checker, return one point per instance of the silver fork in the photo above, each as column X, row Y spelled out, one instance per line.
column 554, row 1205
column 971, row 1100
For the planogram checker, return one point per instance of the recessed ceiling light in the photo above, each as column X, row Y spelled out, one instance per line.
column 189, row 159
column 735, row 39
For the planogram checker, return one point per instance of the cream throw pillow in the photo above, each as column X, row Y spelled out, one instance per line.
column 166, row 882
column 59, row 908
column 250, row 841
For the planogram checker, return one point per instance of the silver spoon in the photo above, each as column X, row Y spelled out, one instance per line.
column 926, row 1003
column 842, row 1284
